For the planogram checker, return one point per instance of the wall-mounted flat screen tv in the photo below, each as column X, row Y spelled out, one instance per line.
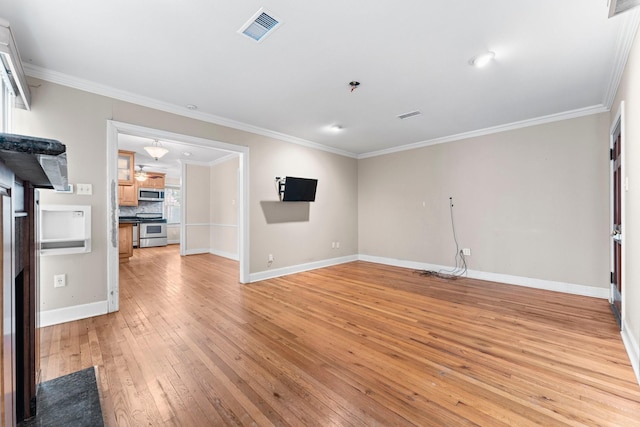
column 299, row 189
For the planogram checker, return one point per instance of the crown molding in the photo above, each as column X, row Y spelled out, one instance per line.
column 625, row 42
column 587, row 111
column 108, row 91
column 215, row 162
column 111, row 92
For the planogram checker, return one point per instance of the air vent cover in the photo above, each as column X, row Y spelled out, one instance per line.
column 616, row 7
column 260, row 25
column 409, row 114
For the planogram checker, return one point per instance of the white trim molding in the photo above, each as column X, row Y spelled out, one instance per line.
column 285, row 271
column 633, row 350
column 75, row 312
column 224, row 254
column 623, row 48
column 616, row 74
column 595, row 109
column 111, row 92
column 197, row 251
column 550, row 285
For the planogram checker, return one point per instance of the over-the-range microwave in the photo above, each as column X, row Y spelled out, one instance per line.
column 151, row 194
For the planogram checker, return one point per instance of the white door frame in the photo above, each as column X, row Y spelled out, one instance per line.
column 618, row 121
column 113, row 129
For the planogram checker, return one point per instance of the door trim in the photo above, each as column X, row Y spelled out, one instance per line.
column 113, row 129
column 619, row 120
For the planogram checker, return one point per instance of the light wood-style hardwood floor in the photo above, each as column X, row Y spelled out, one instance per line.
column 358, row 344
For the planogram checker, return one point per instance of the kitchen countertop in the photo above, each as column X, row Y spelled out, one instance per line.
column 135, row 220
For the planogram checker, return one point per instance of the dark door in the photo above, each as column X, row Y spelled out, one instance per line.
column 616, row 234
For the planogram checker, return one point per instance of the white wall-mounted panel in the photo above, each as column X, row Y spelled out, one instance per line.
column 65, row 229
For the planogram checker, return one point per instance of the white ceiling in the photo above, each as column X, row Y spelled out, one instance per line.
column 171, row 162
column 553, row 59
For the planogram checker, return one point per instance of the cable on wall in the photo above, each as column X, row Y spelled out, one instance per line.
column 460, row 262
column 280, row 187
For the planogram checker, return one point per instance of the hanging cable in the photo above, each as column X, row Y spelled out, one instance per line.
column 460, row 262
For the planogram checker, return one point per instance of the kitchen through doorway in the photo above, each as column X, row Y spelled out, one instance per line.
column 187, row 160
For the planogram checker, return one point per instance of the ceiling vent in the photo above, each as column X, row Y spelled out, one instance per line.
column 616, row 7
column 260, row 25
column 11, row 67
column 409, row 114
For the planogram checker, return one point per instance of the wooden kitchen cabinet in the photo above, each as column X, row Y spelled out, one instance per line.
column 126, row 161
column 128, row 195
column 154, row 180
column 125, row 241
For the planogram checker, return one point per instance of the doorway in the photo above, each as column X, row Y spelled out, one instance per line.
column 618, row 188
column 116, row 128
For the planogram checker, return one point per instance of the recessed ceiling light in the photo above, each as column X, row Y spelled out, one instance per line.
column 482, row 60
column 192, row 107
column 186, row 153
column 336, row 128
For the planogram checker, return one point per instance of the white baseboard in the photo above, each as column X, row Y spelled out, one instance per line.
column 76, row 312
column 197, row 251
column 633, row 350
column 173, row 242
column 224, row 254
column 278, row 272
column 569, row 288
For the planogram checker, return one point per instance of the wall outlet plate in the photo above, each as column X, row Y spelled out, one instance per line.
column 59, row 280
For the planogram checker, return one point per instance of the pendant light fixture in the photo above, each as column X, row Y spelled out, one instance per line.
column 155, row 150
column 140, row 174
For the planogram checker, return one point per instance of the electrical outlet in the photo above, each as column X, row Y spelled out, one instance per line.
column 337, row 245
column 333, row 245
column 466, row 252
column 59, row 280
column 270, row 258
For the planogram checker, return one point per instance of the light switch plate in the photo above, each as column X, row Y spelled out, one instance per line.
column 85, row 189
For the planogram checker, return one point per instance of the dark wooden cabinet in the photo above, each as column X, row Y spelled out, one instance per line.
column 25, row 164
column 8, row 318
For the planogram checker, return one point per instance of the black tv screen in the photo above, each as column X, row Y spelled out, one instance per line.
column 299, row 189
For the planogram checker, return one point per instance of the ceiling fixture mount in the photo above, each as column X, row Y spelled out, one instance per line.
column 140, row 174
column 336, row 128
column 155, row 150
column 354, row 85
column 482, row 60
column 192, row 107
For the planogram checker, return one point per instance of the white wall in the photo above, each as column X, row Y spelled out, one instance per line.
column 629, row 92
column 196, row 205
column 530, row 203
column 78, row 119
column 301, row 232
column 224, row 208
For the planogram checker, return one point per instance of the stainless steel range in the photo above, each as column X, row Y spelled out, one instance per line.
column 149, row 229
